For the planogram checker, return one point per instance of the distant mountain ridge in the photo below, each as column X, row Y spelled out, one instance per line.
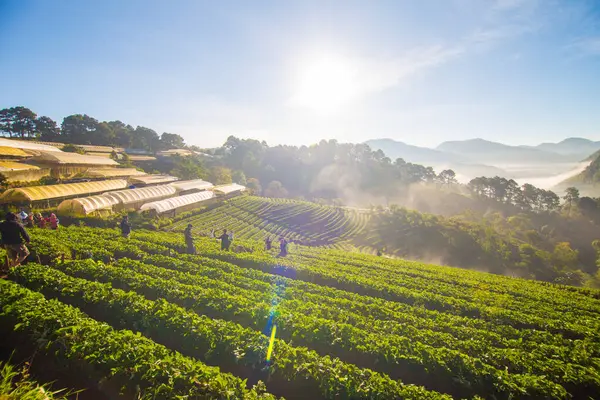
column 484, row 152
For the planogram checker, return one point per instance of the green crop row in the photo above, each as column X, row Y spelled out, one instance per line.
column 219, row 342
column 117, row 361
column 442, row 369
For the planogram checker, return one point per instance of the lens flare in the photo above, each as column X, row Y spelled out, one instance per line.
column 271, row 342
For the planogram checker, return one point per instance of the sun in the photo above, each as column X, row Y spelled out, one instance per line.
column 325, row 84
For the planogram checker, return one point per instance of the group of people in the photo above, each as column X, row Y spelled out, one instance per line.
column 283, row 245
column 31, row 220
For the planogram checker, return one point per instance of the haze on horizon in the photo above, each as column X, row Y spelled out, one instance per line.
column 296, row 72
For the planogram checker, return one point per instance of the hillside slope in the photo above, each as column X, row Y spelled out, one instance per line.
column 319, row 324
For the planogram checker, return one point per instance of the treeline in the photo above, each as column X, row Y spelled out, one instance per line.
column 22, row 123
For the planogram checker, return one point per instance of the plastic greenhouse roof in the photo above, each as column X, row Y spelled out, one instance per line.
column 177, row 202
column 15, row 166
column 25, row 145
column 112, row 172
column 150, row 179
column 147, row 193
column 12, row 152
column 226, row 189
column 72, row 158
column 35, row 193
column 85, row 205
column 198, row 184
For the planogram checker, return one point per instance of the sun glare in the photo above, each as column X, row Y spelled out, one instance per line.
column 325, row 85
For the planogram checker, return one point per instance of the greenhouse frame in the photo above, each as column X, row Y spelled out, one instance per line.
column 62, row 158
column 195, row 185
column 83, row 206
column 133, row 199
column 152, row 179
column 228, row 189
column 178, row 204
column 48, row 192
column 112, row 172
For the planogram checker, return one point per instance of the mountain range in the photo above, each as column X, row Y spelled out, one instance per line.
column 479, row 157
column 485, row 152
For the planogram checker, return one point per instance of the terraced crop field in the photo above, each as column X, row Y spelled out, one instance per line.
column 255, row 218
column 140, row 318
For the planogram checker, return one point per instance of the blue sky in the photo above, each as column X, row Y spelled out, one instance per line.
column 295, row 72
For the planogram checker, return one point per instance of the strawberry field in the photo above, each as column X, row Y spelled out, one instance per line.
column 138, row 318
column 255, row 218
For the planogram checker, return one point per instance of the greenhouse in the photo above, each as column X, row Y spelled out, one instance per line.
column 18, row 172
column 195, row 185
column 86, row 205
column 12, row 152
column 112, row 172
column 152, row 179
column 179, row 203
column 24, row 145
column 48, row 192
column 228, row 189
column 62, row 158
column 133, row 199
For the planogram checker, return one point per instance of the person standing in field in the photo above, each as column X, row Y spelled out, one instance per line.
column 14, row 237
column 268, row 243
column 29, row 221
column 54, row 221
column 125, row 227
column 189, row 240
column 283, row 244
column 225, row 242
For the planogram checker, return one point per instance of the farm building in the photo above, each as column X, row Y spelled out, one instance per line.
column 65, row 165
column 145, row 180
column 230, row 190
column 193, row 186
column 34, row 194
column 13, row 171
column 83, row 206
column 177, row 204
column 133, row 199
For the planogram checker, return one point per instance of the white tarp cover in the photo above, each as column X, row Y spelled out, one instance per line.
column 112, row 172
column 25, row 145
column 150, row 179
column 35, row 193
column 64, row 158
column 177, row 202
column 197, row 184
column 131, row 196
column 226, row 189
column 85, row 205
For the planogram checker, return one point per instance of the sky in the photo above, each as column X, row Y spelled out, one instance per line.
column 296, row 72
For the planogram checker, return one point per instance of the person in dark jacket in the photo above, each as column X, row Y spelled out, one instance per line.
column 268, row 243
column 225, row 242
column 283, row 245
column 14, row 237
column 125, row 227
column 189, row 240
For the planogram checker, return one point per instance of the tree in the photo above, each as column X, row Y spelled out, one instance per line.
column 47, row 129
column 447, row 177
column 571, row 196
column 171, row 141
column 71, row 148
column 275, row 189
column 122, row 133
column 253, row 185
column 238, row 177
column 18, row 121
column 79, row 129
column 145, row 138
column 219, row 175
column 188, row 168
